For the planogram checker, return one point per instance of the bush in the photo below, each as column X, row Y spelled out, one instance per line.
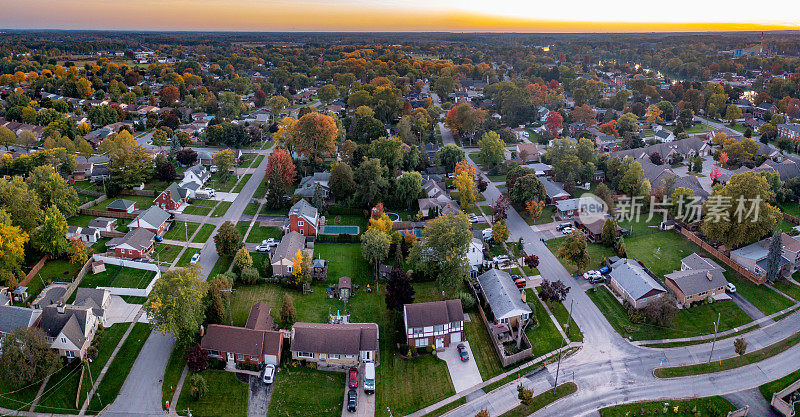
column 249, row 275
column 216, row 363
column 198, row 386
column 248, row 366
column 467, row 300
column 197, row 359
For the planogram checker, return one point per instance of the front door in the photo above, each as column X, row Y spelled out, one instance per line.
column 439, row 342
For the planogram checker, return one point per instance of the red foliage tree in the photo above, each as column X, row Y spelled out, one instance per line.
column 260, row 98
column 554, row 122
column 196, row 359
column 281, row 162
column 500, row 208
column 169, row 94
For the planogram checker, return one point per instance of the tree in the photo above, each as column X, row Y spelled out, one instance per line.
column 169, row 95
column 186, row 157
column 500, row 208
column 740, row 346
column 77, row 252
column 482, row 413
column 726, row 222
column 165, row 171
column 527, row 188
column 224, row 160
column 21, row 203
column 492, row 149
column 732, row 113
column 653, row 113
column 370, row 181
column 573, row 249
column 7, row 137
column 12, row 246
column 281, row 162
column 50, row 238
column 242, row 260
column 53, row 189
column 375, row 246
column 198, row 385
column 388, row 150
column 276, row 105
column 288, row 313
column 464, row 181
column 408, row 187
column 662, row 310
column 399, row 290
column 26, row 356
column 327, row 93
column 449, row 155
column 609, row 234
column 131, row 165
column 774, row 256
column 554, row 122
column 217, row 298
column 314, row 136
column 228, row 240
column 27, row 139
column 531, row 261
column 175, row 305
column 341, row 182
column 500, row 232
column 196, row 359
column 553, row 291
column 442, row 251
column 534, row 208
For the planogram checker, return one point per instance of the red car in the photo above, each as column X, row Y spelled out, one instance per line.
column 352, row 380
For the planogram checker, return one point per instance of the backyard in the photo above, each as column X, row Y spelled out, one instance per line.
column 120, row 277
column 143, row 202
column 544, row 335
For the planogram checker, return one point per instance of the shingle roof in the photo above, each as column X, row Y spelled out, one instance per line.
column 91, row 297
column 259, row 318
column 344, row 339
column 72, row 323
column 289, row 245
column 502, row 295
column 305, row 210
column 138, row 238
column 633, row 279
column 433, row 313
column 153, row 216
column 551, row 188
column 121, row 204
column 13, row 317
column 241, row 340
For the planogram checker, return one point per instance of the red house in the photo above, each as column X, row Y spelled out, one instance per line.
column 303, row 219
column 137, row 243
column 173, row 198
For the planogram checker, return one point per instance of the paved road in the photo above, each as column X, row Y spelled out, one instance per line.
column 141, row 392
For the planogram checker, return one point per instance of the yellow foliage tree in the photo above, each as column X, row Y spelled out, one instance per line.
column 77, row 252
column 653, row 113
column 297, row 264
column 382, row 223
column 534, row 208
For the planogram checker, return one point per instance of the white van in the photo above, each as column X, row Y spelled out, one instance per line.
column 369, row 378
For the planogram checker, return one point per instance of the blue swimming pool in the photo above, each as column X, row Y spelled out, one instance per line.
column 340, row 230
column 393, row 216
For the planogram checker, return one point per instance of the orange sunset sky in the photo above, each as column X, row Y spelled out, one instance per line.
column 395, row 15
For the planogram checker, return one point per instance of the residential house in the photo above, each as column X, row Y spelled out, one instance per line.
column 528, row 152
column 100, row 173
column 122, row 205
column 84, row 234
column 197, row 174
column 698, row 279
column 439, row 206
column 475, row 253
column 335, row 345
column 505, row 300
column 205, row 158
column 255, row 343
column 153, row 219
column 787, row 169
column 554, row 191
column 137, row 243
column 664, row 135
column 282, row 258
column 437, row 323
column 95, row 298
column 173, row 198
column 753, row 257
column 103, row 224
column 69, row 329
column 633, row 283
column 309, row 184
column 790, row 130
column 592, row 227
column 541, row 169
column 303, row 218
column 13, row 318
column 430, row 152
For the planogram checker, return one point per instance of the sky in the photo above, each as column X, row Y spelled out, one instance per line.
column 405, row 15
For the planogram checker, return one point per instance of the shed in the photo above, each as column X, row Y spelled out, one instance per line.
column 345, row 288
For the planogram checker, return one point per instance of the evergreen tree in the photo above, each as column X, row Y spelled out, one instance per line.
column 398, row 290
column 774, row 257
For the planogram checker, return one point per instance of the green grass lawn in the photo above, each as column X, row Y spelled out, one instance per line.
column 197, row 210
column 117, row 276
column 791, row 207
column 291, row 396
column 220, row 267
column 596, row 254
column 258, row 233
column 221, row 209
column 204, row 234
column 562, row 315
column 56, row 270
column 695, row 321
column 482, row 349
column 81, row 220
column 108, row 340
column 182, row 231
column 698, row 407
column 258, row 160
column 142, row 201
column 251, row 209
column 785, row 226
column 17, row 397
column 261, row 191
column 204, row 203
column 172, row 374
column 544, row 336
column 227, row 396
column 247, row 159
column 166, row 253
column 242, row 183
column 221, row 182
column 241, row 227
column 480, row 226
column 789, row 288
column 344, row 260
column 770, row 388
column 121, row 366
column 542, row 400
column 186, row 257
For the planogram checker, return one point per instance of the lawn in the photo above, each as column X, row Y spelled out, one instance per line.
column 791, row 208
column 221, row 183
column 242, row 183
column 81, row 220
column 789, row 288
column 220, row 267
column 698, row 407
column 291, row 396
column 770, row 388
column 542, row 400
column 480, row 226
column 597, row 253
column 251, row 209
column 482, row 349
column 17, row 397
column 348, row 220
column 182, row 231
column 175, row 365
column 120, row 277
column 695, row 321
column 241, row 227
column 562, row 315
column 258, row 160
column 57, row 270
column 344, row 260
column 544, row 335
column 119, row 368
column 204, row 234
column 221, row 209
column 142, row 201
column 197, row 210
column 258, row 233
column 186, row 257
column 227, row 396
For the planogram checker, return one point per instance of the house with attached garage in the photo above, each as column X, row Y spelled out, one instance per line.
column 172, row 198
column 69, row 329
column 698, row 279
column 153, row 219
column 664, row 135
column 437, row 323
column 137, row 243
column 255, row 343
column 303, row 218
column 630, row 281
column 309, row 184
column 335, row 345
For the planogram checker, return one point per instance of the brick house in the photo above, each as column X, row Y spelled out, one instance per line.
column 753, row 257
column 135, row 244
column 631, row 282
column 303, row 218
column 698, row 279
column 790, row 130
column 437, row 323
column 172, row 198
column 153, row 219
column 255, row 343
column 335, row 345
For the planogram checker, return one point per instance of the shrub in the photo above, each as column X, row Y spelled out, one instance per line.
column 249, row 275
column 197, row 359
column 467, row 300
column 216, row 363
column 198, row 386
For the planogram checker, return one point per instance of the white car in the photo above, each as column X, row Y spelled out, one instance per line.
column 473, row 218
column 487, row 234
column 269, row 374
column 501, row 259
column 567, row 230
column 591, row 274
column 195, row 258
column 266, row 245
column 731, row 288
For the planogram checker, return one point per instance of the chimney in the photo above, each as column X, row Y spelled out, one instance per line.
column 709, row 276
column 60, row 308
column 523, row 296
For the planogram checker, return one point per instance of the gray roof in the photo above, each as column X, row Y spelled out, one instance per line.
column 13, row 317
column 305, row 210
column 551, row 188
column 176, row 193
column 663, row 133
column 308, row 184
column 200, row 171
column 154, row 216
column 787, row 169
column 502, row 295
column 695, row 261
column 700, row 274
column 91, row 297
column 289, row 245
column 138, row 238
column 101, row 222
column 121, row 204
column 633, row 279
column 72, row 322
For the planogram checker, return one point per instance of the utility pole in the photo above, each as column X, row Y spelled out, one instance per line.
column 558, row 367
column 716, row 327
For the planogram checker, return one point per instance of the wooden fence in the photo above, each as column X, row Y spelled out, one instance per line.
column 107, row 213
column 111, row 233
column 94, row 202
column 92, row 193
column 35, row 270
column 145, row 193
column 791, row 219
column 722, row 257
column 505, row 360
column 78, row 279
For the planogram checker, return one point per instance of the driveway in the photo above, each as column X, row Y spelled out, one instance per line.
column 463, row 374
column 366, row 403
column 746, row 306
column 260, row 396
column 222, row 196
column 548, row 231
column 119, row 311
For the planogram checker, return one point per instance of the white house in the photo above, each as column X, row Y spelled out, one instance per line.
column 475, row 253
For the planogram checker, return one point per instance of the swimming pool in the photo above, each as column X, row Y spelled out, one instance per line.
column 393, row 216
column 340, row 230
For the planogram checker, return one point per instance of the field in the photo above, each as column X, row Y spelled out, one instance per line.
column 227, row 396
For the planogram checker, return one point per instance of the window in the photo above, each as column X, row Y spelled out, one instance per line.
column 416, row 330
column 421, row 342
column 289, row 268
column 63, row 340
column 334, row 356
column 305, row 355
column 301, row 223
column 239, row 357
column 438, row 328
column 70, row 354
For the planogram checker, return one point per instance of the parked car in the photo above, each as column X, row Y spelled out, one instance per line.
column 462, row 352
column 473, row 218
column 563, row 226
column 521, row 282
column 206, row 193
column 604, row 270
column 501, row 259
column 352, row 400
column 269, row 374
column 597, row 279
column 591, row 274
column 352, row 378
column 266, row 245
column 730, row 288
column 195, row 258
column 158, row 238
column 369, row 378
column 487, row 234
column 567, row 230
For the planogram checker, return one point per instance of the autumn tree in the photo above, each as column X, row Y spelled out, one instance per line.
column 500, row 232
column 375, row 246
column 281, row 162
column 12, row 246
column 399, row 290
column 732, row 113
column 464, row 181
column 7, row 137
column 553, row 291
column 228, row 240
column 77, row 252
column 573, row 249
column 442, row 250
column 20, row 202
column 653, row 113
column 500, row 208
column 492, row 149
column 175, row 305
column 276, row 105
column 740, row 346
column 534, row 208
column 314, row 136
column 131, row 165
column 224, row 160
column 50, row 237
column 554, row 122
column 287, row 313
column 327, row 93
column 53, row 190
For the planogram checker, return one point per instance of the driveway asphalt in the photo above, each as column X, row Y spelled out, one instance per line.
column 119, row 311
column 463, row 374
column 260, row 396
column 365, row 407
column 747, row 306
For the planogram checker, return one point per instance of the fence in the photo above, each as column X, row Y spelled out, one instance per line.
column 78, row 279
column 790, row 218
column 145, row 193
column 111, row 233
column 108, row 213
column 506, row 360
column 722, row 257
column 742, row 412
column 94, row 202
column 92, row 193
column 35, row 270
column 136, row 292
column 778, row 402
